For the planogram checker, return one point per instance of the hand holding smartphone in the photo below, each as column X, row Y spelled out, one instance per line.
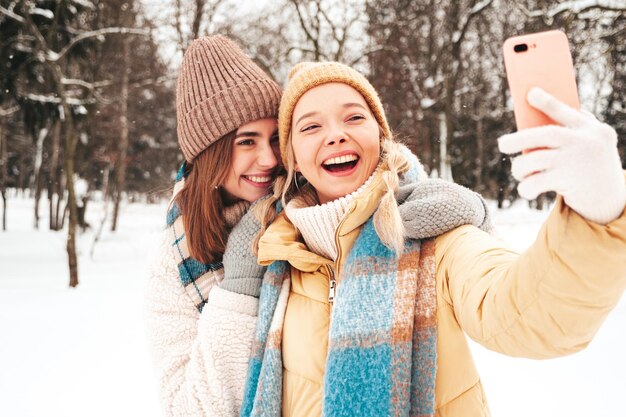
column 539, row 60
column 577, row 158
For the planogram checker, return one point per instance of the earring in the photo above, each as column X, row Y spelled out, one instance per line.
column 295, row 181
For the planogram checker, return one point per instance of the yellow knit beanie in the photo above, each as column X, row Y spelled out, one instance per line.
column 306, row 75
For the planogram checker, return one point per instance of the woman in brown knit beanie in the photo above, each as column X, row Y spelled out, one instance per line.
column 377, row 273
column 202, row 292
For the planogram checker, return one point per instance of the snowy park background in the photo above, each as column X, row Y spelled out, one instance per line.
column 87, row 102
column 82, row 352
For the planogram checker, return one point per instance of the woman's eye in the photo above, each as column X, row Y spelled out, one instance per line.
column 274, row 138
column 309, row 128
column 245, row 142
column 355, row 117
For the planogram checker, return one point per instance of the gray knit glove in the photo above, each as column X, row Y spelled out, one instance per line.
column 431, row 207
column 242, row 273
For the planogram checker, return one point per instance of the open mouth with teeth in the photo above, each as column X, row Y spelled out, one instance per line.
column 258, row 180
column 341, row 163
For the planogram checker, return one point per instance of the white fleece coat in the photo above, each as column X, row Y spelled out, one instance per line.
column 201, row 359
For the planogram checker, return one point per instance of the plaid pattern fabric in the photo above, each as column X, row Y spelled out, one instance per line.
column 382, row 344
column 198, row 278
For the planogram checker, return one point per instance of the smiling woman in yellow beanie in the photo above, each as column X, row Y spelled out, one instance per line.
column 202, row 292
column 307, row 75
column 377, row 274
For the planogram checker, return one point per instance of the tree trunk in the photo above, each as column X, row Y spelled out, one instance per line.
column 105, row 205
column 3, row 175
column 4, row 209
column 541, row 201
column 197, row 18
column 182, row 44
column 70, row 148
column 446, row 131
column 36, row 178
column 22, row 179
column 71, row 198
column 120, row 169
column 60, row 215
column 445, row 172
column 480, row 148
column 53, row 179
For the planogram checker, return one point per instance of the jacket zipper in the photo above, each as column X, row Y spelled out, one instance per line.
column 333, row 284
column 335, row 273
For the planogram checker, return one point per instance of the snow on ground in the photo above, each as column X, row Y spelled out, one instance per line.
column 82, row 352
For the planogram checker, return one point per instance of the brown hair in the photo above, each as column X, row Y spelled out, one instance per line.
column 201, row 203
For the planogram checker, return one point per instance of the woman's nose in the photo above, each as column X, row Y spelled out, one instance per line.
column 266, row 157
column 336, row 136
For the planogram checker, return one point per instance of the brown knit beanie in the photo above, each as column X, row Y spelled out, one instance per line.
column 306, row 75
column 219, row 89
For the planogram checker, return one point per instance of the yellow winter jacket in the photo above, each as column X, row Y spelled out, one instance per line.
column 547, row 302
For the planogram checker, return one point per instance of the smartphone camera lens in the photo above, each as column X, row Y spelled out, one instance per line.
column 522, row 47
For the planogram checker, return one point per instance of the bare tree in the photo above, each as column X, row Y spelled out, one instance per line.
column 193, row 18
column 327, row 28
column 460, row 18
column 53, row 61
column 120, row 166
column 36, row 182
column 554, row 10
column 54, row 189
column 4, row 164
column 427, row 52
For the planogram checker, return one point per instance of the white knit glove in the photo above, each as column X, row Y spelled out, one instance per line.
column 578, row 160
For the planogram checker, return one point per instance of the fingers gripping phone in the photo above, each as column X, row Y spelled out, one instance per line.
column 539, row 60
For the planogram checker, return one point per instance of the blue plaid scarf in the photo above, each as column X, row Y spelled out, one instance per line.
column 382, row 347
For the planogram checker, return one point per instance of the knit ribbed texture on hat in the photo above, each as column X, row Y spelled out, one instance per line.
column 219, row 89
column 308, row 75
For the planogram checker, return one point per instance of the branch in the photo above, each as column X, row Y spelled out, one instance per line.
column 367, row 53
column 153, row 81
column 95, row 34
column 330, row 23
column 9, row 111
column 574, row 7
column 577, row 7
column 344, row 35
column 179, row 27
column 303, row 24
column 49, row 55
column 12, row 15
column 57, row 100
column 413, row 77
column 108, row 83
column 458, row 36
column 299, row 48
column 85, row 84
column 34, row 30
column 82, row 83
column 86, row 4
column 197, row 18
column 613, row 35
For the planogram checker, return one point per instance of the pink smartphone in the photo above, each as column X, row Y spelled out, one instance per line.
column 542, row 60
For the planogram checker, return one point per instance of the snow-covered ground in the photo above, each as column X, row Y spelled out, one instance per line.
column 82, row 352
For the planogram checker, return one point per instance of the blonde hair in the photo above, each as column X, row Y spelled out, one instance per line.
column 387, row 220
